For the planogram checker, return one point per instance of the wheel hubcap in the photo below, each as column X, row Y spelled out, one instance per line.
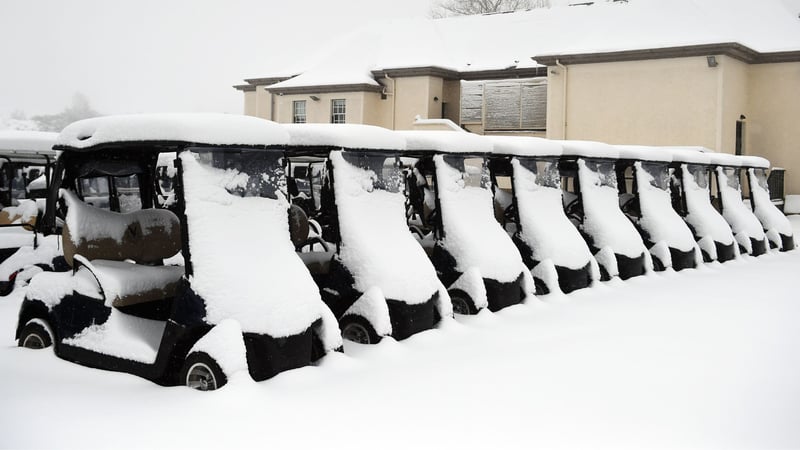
column 356, row 333
column 33, row 341
column 201, row 378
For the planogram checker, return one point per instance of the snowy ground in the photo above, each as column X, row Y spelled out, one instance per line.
column 701, row 358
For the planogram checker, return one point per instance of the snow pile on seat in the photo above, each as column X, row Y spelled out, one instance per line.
column 198, row 128
column 25, row 212
column 743, row 222
column 603, row 220
column 38, row 183
column 377, row 247
column 471, row 233
column 52, row 287
column 344, row 135
column 772, row 219
column 659, row 218
column 49, row 247
column 709, row 225
column 124, row 336
column 439, row 141
column 545, row 226
column 124, row 282
column 245, row 266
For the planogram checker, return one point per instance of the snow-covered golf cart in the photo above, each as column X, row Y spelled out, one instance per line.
column 746, row 228
column 370, row 271
column 647, row 202
column 776, row 225
column 473, row 255
column 187, row 298
column 550, row 245
column 591, row 201
column 26, row 158
column 691, row 198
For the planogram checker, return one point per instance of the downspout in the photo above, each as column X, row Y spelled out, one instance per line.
column 563, row 98
column 394, row 87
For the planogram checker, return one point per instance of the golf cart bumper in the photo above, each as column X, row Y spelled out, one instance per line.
column 573, row 279
column 725, row 252
column 268, row 356
column 758, row 246
column 630, row 267
column 411, row 319
column 682, row 260
column 787, row 243
column 501, row 295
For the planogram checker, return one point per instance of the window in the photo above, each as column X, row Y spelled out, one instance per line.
column 299, row 111
column 505, row 104
column 338, row 111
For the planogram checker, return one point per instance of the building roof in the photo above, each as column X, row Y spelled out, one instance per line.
column 466, row 45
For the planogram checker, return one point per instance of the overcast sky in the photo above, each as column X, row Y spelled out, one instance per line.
column 156, row 55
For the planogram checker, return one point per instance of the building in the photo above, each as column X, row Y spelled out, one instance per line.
column 723, row 74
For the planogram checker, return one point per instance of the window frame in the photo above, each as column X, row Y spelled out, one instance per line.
column 337, row 115
column 298, row 117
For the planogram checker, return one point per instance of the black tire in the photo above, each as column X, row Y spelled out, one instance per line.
column 34, row 336
column 462, row 303
column 358, row 329
column 202, row 372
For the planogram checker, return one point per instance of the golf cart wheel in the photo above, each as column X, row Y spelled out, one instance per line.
column 34, row 335
column 201, row 372
column 358, row 329
column 462, row 303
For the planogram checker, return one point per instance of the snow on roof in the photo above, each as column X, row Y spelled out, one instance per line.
column 725, row 159
column 525, row 146
column 348, row 136
column 589, row 149
column 446, row 141
column 754, row 161
column 38, row 142
column 643, row 153
column 198, row 128
column 690, row 155
column 454, row 44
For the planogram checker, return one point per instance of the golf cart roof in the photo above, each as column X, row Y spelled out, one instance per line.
column 525, row 146
column 725, row 159
column 644, row 153
column 191, row 128
column 589, row 149
column 754, row 161
column 440, row 141
column 327, row 136
column 689, row 154
column 27, row 146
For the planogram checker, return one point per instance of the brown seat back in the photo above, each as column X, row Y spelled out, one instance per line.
column 298, row 225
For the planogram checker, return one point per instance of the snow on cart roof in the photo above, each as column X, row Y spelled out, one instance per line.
column 28, row 142
column 196, row 128
column 525, row 146
column 754, row 161
column 348, row 136
column 690, row 155
column 438, row 141
column 725, row 159
column 589, row 149
column 643, row 153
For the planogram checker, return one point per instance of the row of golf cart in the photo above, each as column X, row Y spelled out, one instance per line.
column 197, row 246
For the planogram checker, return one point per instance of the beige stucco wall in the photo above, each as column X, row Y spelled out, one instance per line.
column 656, row 102
column 414, row 96
column 772, row 127
column 249, row 103
column 319, row 111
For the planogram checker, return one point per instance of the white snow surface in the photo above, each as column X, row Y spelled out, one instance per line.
column 725, row 159
column 49, row 247
column 377, row 246
column 772, row 219
column 545, row 226
column 344, row 136
column 603, row 220
column 694, row 359
column 440, row 141
column 644, row 153
column 373, row 307
column 525, row 146
column 589, row 149
column 740, row 217
column 25, row 210
column 702, row 216
column 792, row 205
column 659, row 218
column 197, row 128
column 27, row 142
column 253, row 275
column 690, row 155
column 120, row 279
column 123, row 336
column 754, row 161
column 225, row 344
column 472, row 235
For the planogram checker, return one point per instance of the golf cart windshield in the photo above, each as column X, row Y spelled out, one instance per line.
column 243, row 263
column 384, row 170
column 604, row 170
column 658, row 174
column 474, row 171
column 760, row 175
column 546, row 171
column 699, row 174
column 732, row 177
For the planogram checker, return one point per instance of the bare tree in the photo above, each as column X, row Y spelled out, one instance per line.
column 447, row 8
column 79, row 109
